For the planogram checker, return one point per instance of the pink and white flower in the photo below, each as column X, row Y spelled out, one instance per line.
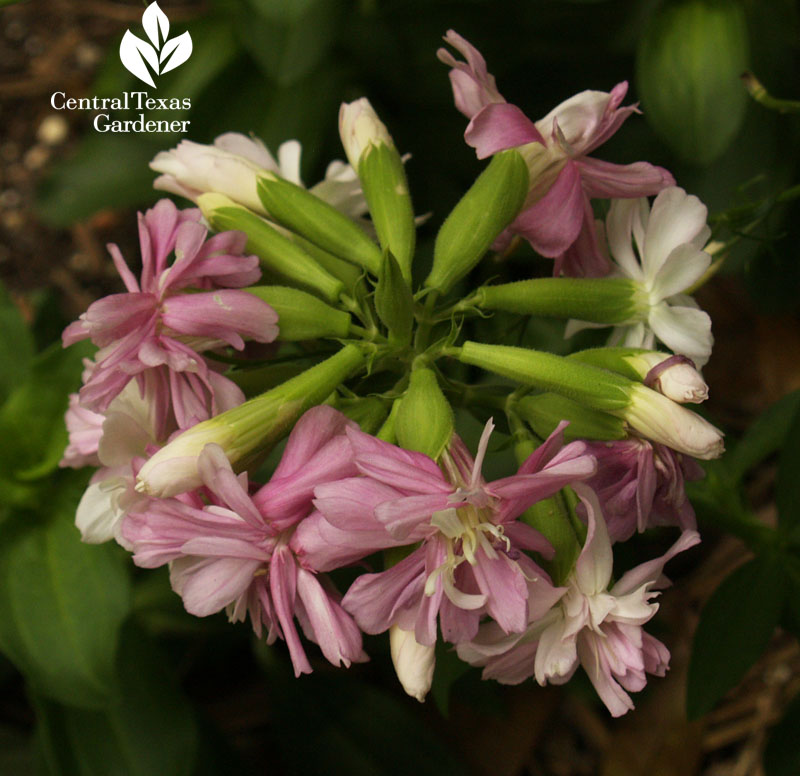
column 234, row 553
column 640, row 484
column 232, row 165
column 590, row 625
column 661, row 250
column 156, row 326
column 563, row 177
column 471, row 558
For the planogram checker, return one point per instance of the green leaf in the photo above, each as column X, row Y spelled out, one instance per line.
column 150, row 729
column 688, row 66
column 764, row 436
column 107, row 171
column 787, row 490
column 288, row 40
column 61, row 602
column 735, row 627
column 32, row 418
column 359, row 730
column 16, row 346
column 782, row 753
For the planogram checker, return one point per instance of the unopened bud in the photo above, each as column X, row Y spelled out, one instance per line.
column 247, row 432
column 413, row 662
column 660, row 419
column 275, row 252
column 425, row 418
column 302, row 316
column 313, row 218
column 489, row 206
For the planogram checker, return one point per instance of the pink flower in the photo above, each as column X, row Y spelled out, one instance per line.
column 563, row 177
column 641, row 484
column 156, row 327
column 85, row 429
column 599, row 628
column 470, row 561
column 234, row 553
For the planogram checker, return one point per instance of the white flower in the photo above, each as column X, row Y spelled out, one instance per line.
column 660, row 249
column 232, row 165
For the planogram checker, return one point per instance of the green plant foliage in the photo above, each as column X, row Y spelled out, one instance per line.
column 62, row 602
column 32, row 422
column 16, row 346
column 787, row 494
column 688, row 67
column 150, row 729
column 371, row 731
column 764, row 437
column 782, row 754
column 735, row 627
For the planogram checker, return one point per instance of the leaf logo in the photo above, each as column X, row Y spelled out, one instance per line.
column 162, row 56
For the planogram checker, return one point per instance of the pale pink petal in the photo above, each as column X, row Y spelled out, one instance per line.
column 375, row 599
column 473, row 85
column 499, row 126
column 224, row 315
column 208, row 585
column 650, row 572
column 333, row 629
column 553, row 223
column 606, row 180
column 283, row 589
column 587, row 256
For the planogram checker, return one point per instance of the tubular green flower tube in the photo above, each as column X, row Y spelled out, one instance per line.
column 646, row 411
column 372, row 153
column 482, row 213
column 588, row 385
column 302, row 212
column 599, row 300
column 545, row 411
column 246, row 432
column 302, row 316
column 276, row 252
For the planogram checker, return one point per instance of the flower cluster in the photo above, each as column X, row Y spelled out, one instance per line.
column 514, row 572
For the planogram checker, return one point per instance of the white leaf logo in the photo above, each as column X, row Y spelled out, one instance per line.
column 161, row 54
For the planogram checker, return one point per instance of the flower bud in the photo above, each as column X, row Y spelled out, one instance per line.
column 360, row 129
column 678, row 380
column 489, row 206
column 674, row 376
column 413, row 662
column 191, row 169
column 425, row 419
column 372, row 154
column 545, row 411
column 276, row 252
column 662, row 420
column 599, row 300
column 302, row 316
column 248, row 431
column 313, row 218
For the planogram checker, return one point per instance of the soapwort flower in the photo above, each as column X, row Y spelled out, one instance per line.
column 233, row 553
column 661, row 250
column 232, row 165
column 470, row 561
column 590, row 625
column 556, row 148
column 157, row 326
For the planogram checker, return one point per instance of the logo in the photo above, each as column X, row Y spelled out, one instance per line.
column 162, row 56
